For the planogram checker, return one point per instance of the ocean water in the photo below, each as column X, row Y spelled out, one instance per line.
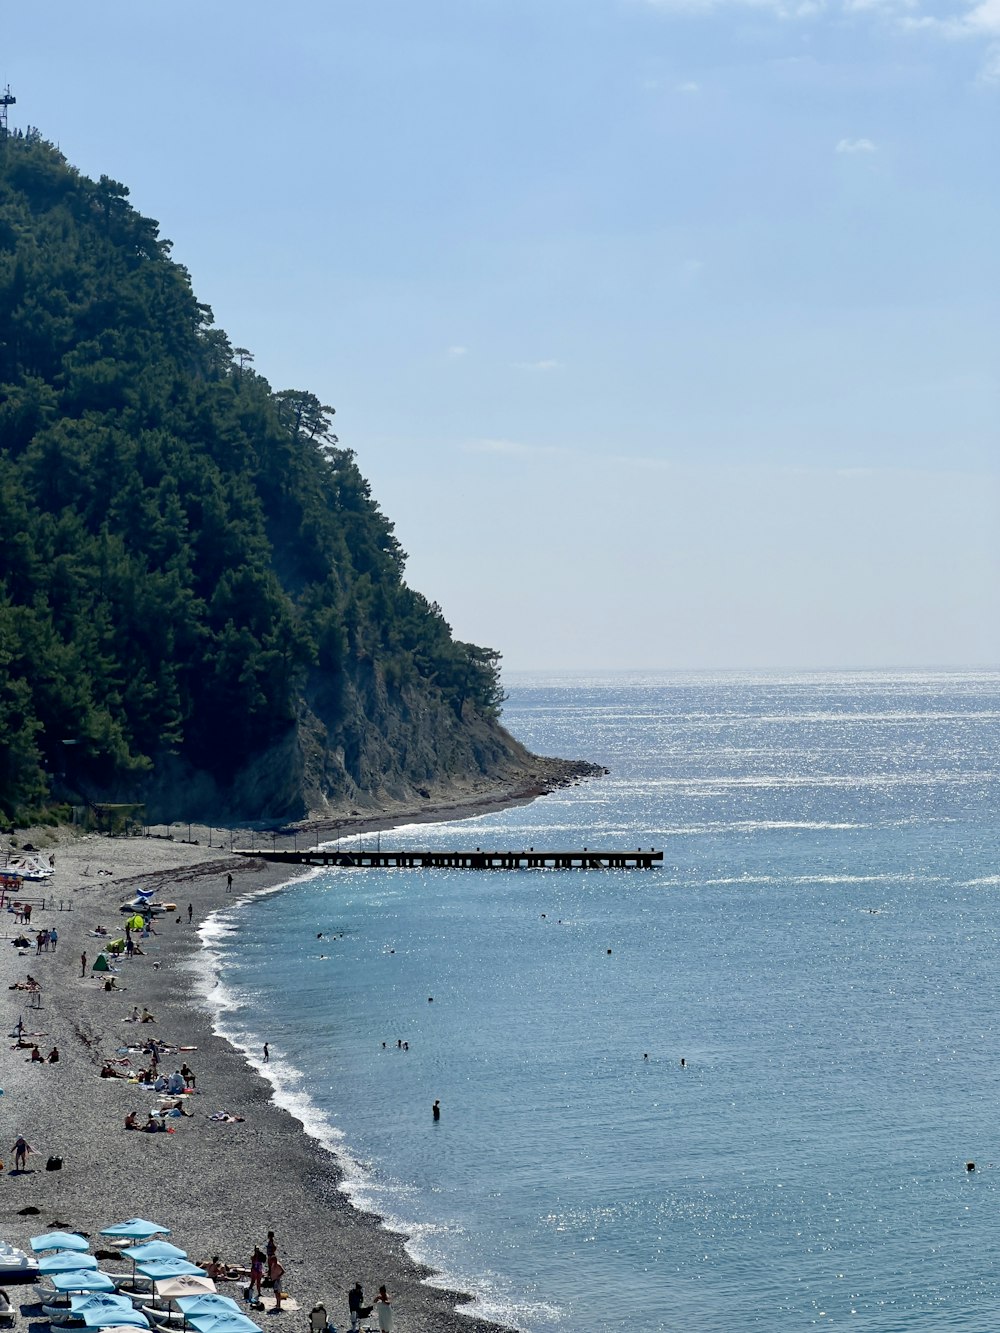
column 821, row 947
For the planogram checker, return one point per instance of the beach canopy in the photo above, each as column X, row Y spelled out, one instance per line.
column 99, row 1300
column 224, row 1323
column 155, row 1249
column 101, row 963
column 160, row 1268
column 84, row 1279
column 59, row 1240
column 136, row 1228
column 136, row 922
column 187, row 1284
column 211, row 1303
column 66, row 1261
column 119, row 1317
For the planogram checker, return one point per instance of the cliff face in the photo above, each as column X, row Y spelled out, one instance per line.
column 200, row 603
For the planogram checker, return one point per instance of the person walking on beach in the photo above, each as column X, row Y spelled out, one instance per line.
column 229, row 883
column 384, row 1309
column 20, row 1150
column 190, row 912
column 267, row 1053
column 53, row 938
column 83, row 965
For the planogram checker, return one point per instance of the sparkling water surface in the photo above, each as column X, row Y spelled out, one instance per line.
column 820, row 947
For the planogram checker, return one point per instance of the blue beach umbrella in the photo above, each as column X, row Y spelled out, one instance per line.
column 118, row 1316
column 59, row 1240
column 210, row 1303
column 136, row 1228
column 98, row 1300
column 155, row 1249
column 66, row 1262
column 160, row 1268
column 82, row 1280
column 231, row 1323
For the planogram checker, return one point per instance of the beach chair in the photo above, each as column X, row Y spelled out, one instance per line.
column 317, row 1319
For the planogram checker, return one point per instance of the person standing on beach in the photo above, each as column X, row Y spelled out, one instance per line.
column 229, row 883
column 83, row 965
column 355, row 1304
column 384, row 1309
column 275, row 1273
column 267, row 1053
column 256, row 1271
column 20, row 1150
column 190, row 912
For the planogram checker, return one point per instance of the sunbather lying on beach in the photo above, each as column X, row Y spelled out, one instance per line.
column 175, row 1108
column 221, row 1272
column 109, row 1071
column 224, row 1115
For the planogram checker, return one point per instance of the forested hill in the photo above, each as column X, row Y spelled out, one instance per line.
column 201, row 605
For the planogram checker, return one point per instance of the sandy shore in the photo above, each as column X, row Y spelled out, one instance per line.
column 218, row 1186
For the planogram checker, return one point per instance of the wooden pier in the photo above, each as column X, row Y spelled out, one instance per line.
column 532, row 859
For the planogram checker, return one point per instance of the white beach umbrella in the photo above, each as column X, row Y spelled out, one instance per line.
column 185, row 1284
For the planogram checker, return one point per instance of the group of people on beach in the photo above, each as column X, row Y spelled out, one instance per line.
column 266, row 1269
column 266, row 1261
column 358, row 1310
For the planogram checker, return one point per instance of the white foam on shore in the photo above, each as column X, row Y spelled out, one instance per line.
column 493, row 1296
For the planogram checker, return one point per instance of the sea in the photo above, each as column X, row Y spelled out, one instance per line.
column 742, row 1090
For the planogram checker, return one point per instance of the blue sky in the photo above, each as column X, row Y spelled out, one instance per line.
column 665, row 332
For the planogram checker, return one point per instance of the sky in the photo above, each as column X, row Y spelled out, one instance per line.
column 664, row 330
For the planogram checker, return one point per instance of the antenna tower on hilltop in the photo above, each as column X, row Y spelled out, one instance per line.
column 6, row 100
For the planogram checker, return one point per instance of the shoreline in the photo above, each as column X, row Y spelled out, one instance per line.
column 219, row 1186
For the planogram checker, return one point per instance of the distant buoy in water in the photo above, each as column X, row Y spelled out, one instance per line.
column 970, row 1166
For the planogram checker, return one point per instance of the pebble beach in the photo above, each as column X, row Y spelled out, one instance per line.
column 218, row 1185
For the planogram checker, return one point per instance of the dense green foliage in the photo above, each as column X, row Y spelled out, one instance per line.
column 187, row 555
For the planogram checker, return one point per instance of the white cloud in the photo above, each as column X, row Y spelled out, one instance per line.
column 549, row 364
column 990, row 72
column 689, row 87
column 455, row 352
column 855, row 146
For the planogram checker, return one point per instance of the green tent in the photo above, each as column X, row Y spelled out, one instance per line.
column 101, row 963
